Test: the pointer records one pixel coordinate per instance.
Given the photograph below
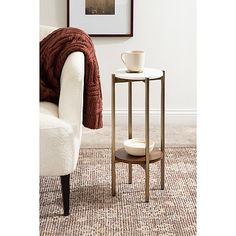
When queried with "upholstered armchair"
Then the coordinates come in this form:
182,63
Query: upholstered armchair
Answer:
61,126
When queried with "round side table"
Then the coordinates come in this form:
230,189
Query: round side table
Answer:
158,154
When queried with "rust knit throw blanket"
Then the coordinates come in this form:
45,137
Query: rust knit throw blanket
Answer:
54,50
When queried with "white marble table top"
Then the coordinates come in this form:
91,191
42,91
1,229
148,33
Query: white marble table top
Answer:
147,73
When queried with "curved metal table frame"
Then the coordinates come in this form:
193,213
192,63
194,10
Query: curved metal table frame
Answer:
120,155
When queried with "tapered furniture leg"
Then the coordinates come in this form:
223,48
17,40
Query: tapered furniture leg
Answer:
163,130
113,170
130,173
130,123
65,187
147,139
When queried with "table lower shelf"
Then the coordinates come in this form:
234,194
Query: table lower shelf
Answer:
122,156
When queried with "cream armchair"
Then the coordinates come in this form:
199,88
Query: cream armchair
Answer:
61,126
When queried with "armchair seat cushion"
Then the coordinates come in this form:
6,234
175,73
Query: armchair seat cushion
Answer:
57,143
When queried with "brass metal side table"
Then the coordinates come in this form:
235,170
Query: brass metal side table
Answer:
158,154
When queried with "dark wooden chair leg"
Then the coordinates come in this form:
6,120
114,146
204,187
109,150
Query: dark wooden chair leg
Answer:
65,187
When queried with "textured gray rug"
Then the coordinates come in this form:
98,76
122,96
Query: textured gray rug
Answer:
95,212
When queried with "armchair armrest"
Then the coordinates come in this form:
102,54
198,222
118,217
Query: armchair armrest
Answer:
71,94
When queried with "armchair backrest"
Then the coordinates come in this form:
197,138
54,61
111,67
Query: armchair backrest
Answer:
45,30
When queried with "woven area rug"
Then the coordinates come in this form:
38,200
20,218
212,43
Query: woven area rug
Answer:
93,211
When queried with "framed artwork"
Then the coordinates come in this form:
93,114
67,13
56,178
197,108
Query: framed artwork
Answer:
101,18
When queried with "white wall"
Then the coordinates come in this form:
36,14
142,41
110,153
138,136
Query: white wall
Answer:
166,30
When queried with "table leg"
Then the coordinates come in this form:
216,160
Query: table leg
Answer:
113,170
147,139
163,130
130,123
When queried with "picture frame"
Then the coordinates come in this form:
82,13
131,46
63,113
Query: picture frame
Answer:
102,18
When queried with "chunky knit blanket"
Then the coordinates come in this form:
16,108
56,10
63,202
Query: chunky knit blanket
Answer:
54,50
